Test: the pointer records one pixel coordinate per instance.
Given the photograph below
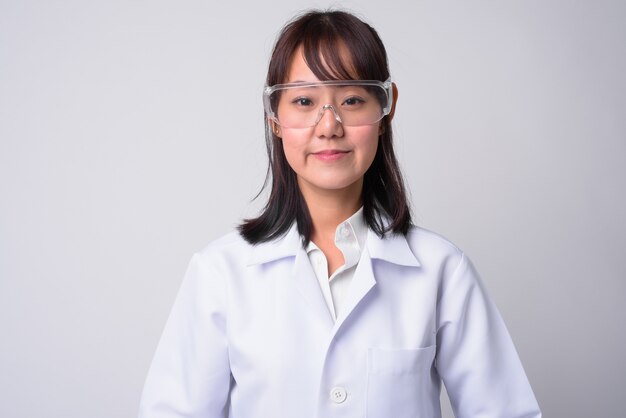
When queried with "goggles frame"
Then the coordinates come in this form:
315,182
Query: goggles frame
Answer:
386,86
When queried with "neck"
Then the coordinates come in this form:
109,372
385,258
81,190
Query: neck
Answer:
328,208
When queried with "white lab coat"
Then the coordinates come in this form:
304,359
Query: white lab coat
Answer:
250,336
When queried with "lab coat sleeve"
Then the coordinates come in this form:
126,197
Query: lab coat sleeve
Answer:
476,358
190,374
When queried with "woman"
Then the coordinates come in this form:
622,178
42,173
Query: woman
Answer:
330,303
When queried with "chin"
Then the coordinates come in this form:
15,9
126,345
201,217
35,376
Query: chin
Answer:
335,184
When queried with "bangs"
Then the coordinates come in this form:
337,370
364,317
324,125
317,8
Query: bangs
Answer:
329,59
332,55
335,46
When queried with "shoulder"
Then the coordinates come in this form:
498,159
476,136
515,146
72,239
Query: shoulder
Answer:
232,258
433,249
230,247
235,250
233,239
423,239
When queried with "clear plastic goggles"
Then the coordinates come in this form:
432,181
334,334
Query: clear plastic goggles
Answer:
352,102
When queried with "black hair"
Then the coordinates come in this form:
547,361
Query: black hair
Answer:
385,203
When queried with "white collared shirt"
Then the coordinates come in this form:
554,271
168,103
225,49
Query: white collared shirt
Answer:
350,237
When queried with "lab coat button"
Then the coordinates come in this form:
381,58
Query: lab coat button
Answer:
345,232
338,395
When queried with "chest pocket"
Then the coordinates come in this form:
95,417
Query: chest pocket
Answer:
400,383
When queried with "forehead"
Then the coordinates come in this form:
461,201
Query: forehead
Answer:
321,64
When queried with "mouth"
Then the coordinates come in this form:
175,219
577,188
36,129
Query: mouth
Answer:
330,154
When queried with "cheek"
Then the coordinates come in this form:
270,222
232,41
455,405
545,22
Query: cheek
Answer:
294,144
367,144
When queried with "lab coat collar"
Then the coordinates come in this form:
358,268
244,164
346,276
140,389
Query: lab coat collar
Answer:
285,246
392,248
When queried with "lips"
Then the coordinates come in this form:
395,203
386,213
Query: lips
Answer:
330,154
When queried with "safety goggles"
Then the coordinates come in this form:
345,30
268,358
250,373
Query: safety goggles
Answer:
352,102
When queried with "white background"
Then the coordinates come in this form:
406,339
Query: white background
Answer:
131,134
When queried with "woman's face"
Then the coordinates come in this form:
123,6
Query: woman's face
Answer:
327,156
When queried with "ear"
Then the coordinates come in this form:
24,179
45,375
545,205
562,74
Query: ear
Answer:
394,89
274,127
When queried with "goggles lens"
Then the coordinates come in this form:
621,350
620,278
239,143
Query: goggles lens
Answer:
353,102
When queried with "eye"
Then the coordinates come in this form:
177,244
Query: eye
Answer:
302,101
353,101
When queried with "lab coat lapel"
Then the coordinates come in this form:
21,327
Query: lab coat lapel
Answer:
306,282
362,282
392,248
302,278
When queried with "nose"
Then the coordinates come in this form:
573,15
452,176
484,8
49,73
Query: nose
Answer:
322,112
328,124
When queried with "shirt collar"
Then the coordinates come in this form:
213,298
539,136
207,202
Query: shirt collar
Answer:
352,228
392,247
359,227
